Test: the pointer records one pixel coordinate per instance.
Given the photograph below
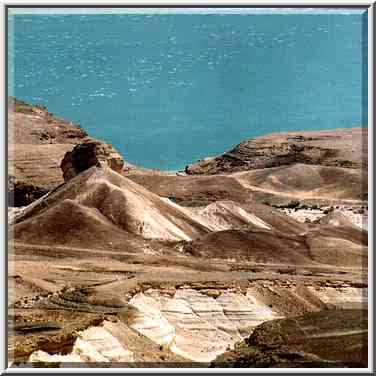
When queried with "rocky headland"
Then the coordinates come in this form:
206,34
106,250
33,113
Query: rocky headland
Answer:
338,148
256,258
37,142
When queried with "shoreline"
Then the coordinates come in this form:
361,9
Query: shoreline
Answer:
181,169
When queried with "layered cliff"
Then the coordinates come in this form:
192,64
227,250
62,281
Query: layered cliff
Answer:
339,148
37,142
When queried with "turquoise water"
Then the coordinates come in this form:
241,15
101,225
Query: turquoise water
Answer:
168,89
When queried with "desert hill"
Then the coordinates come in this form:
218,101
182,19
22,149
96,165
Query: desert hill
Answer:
111,199
314,183
100,197
226,215
101,208
272,247
37,142
340,148
307,181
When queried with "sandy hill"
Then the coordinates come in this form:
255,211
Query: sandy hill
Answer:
194,190
101,201
308,181
100,208
272,247
275,184
227,215
102,196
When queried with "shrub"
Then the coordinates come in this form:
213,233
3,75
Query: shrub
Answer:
293,204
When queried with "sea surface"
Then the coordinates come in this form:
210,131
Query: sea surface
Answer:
169,89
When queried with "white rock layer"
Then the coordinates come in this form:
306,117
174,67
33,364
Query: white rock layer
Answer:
195,325
95,344
342,297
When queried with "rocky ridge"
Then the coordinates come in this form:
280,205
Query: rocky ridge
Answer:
339,148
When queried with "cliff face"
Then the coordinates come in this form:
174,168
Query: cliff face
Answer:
37,142
88,154
339,148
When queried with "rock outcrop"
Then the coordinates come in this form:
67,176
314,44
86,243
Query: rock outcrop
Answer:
21,193
95,344
197,326
195,322
341,148
329,339
37,142
90,153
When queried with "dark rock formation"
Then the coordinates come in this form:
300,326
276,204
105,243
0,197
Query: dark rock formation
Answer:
341,148
90,153
21,193
335,338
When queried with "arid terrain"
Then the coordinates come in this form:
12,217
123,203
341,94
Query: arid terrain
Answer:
254,258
